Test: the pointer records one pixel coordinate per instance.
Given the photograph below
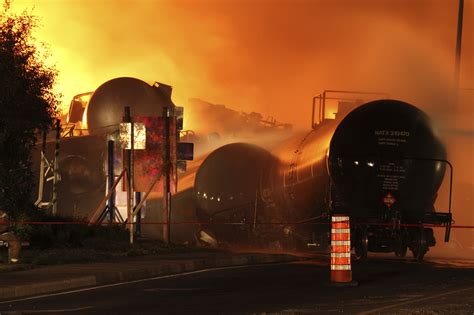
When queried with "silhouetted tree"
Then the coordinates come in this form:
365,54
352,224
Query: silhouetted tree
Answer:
27,106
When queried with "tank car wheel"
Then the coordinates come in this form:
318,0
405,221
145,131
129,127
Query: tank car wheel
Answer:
361,253
361,245
419,253
420,247
401,250
401,246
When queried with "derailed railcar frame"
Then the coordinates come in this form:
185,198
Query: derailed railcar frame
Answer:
358,97
417,231
443,218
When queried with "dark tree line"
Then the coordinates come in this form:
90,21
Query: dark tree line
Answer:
28,105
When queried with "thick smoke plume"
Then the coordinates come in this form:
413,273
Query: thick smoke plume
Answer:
265,56
272,57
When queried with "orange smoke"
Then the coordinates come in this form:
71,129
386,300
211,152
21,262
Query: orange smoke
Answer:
272,56
265,56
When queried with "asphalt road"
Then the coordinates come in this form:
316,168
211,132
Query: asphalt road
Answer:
386,286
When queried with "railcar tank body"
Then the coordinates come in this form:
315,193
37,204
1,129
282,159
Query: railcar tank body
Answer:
296,185
386,165
105,109
381,163
299,180
226,191
396,154
83,153
286,185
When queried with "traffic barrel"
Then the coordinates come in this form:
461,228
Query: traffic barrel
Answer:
341,273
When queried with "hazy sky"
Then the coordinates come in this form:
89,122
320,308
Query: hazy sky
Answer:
270,56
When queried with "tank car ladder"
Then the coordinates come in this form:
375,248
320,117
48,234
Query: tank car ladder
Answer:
49,171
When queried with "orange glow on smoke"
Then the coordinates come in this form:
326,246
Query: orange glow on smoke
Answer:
265,56
271,56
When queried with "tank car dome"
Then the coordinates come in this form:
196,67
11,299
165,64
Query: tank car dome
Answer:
106,106
229,177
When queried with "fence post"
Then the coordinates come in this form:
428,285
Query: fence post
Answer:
138,219
128,119
167,175
111,179
56,176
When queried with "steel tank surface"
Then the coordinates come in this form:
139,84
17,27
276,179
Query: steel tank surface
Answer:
226,189
106,106
381,163
382,160
82,159
380,156
82,173
298,183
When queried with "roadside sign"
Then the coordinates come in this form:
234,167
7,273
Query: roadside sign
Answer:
139,135
185,151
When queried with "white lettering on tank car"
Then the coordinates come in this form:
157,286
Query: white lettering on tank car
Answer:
391,137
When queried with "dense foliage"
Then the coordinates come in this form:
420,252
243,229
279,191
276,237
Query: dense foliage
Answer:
27,106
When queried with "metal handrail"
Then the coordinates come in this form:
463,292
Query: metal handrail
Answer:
322,102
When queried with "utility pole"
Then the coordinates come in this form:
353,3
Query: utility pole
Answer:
111,179
56,177
458,45
129,158
138,218
167,176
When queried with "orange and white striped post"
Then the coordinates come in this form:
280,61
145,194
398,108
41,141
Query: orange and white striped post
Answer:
341,272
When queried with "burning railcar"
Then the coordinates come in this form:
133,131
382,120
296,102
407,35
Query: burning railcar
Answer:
382,163
93,119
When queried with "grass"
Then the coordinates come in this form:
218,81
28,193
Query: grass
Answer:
53,245
93,251
17,267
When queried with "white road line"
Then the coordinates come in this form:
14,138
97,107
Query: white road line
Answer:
383,308
174,289
78,309
140,280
